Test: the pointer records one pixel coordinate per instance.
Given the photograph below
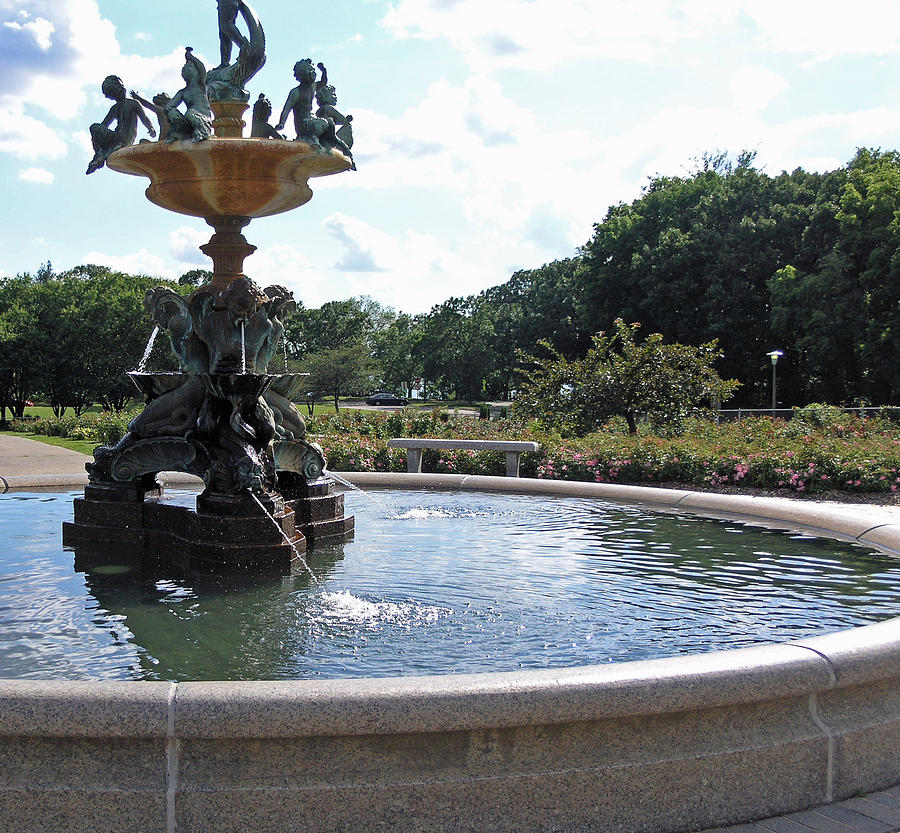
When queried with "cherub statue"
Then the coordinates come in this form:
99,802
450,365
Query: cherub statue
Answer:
158,106
262,111
318,129
299,102
326,98
196,122
125,113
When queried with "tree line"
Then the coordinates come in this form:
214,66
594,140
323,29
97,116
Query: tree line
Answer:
805,263
802,262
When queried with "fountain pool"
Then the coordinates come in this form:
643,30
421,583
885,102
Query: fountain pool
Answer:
659,745
442,582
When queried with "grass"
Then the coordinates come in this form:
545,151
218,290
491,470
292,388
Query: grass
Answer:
46,412
81,446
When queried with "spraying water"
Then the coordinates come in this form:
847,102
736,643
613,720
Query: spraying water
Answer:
338,479
284,348
143,362
283,535
243,354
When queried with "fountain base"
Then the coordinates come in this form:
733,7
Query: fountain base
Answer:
212,536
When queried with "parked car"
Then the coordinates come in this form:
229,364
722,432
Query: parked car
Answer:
385,399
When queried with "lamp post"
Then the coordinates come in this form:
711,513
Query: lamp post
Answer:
774,355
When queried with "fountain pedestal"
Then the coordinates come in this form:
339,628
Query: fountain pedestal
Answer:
223,417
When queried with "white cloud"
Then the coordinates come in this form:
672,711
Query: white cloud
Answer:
39,176
141,262
184,243
872,27
28,138
412,272
55,54
40,29
285,265
754,87
535,35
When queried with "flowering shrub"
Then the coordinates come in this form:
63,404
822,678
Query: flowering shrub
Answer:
831,451
104,428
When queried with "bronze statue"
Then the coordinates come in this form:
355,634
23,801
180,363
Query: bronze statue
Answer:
125,113
299,101
158,106
262,112
228,31
196,122
227,81
326,98
318,129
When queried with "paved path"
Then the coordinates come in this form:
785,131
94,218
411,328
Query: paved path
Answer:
26,463
873,813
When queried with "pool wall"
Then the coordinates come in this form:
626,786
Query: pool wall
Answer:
664,745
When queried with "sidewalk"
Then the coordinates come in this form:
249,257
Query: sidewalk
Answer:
26,462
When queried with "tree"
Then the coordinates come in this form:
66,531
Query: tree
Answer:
195,277
621,376
20,356
334,324
338,370
692,258
396,349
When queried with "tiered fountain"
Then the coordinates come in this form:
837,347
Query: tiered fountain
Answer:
223,416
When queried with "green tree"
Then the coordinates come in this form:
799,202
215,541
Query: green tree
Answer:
456,346
339,370
21,357
334,324
621,376
396,350
692,258
195,277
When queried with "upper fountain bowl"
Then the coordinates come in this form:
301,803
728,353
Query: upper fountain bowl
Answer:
228,177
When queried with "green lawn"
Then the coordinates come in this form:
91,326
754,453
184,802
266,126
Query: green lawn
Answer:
63,442
46,412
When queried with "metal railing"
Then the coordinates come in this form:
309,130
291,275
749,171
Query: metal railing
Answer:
736,414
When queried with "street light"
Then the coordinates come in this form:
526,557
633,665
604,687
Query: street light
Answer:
774,357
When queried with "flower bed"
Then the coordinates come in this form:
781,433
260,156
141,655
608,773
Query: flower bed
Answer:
808,454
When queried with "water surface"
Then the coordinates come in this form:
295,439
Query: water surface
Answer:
434,583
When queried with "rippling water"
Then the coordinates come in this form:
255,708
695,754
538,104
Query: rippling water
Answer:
434,583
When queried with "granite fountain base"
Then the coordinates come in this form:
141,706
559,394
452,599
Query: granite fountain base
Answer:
241,533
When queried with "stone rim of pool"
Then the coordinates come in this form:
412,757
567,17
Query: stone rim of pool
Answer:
664,745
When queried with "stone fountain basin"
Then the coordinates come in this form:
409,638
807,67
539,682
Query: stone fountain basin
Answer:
154,385
664,745
228,177
288,385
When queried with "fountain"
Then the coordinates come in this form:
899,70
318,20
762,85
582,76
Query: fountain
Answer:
656,746
224,416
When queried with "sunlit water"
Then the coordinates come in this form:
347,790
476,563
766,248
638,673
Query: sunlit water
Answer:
433,583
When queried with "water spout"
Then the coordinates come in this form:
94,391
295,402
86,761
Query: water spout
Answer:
284,347
338,479
244,354
293,546
143,362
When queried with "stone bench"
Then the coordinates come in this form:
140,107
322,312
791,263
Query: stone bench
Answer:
415,447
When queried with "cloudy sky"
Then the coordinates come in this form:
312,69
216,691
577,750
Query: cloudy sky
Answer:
490,135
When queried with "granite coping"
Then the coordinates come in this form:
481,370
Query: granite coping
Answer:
456,701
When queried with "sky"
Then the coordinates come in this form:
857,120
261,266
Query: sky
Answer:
490,135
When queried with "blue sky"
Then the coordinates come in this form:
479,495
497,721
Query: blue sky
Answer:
489,134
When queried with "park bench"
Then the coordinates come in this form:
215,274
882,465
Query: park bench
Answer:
415,446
